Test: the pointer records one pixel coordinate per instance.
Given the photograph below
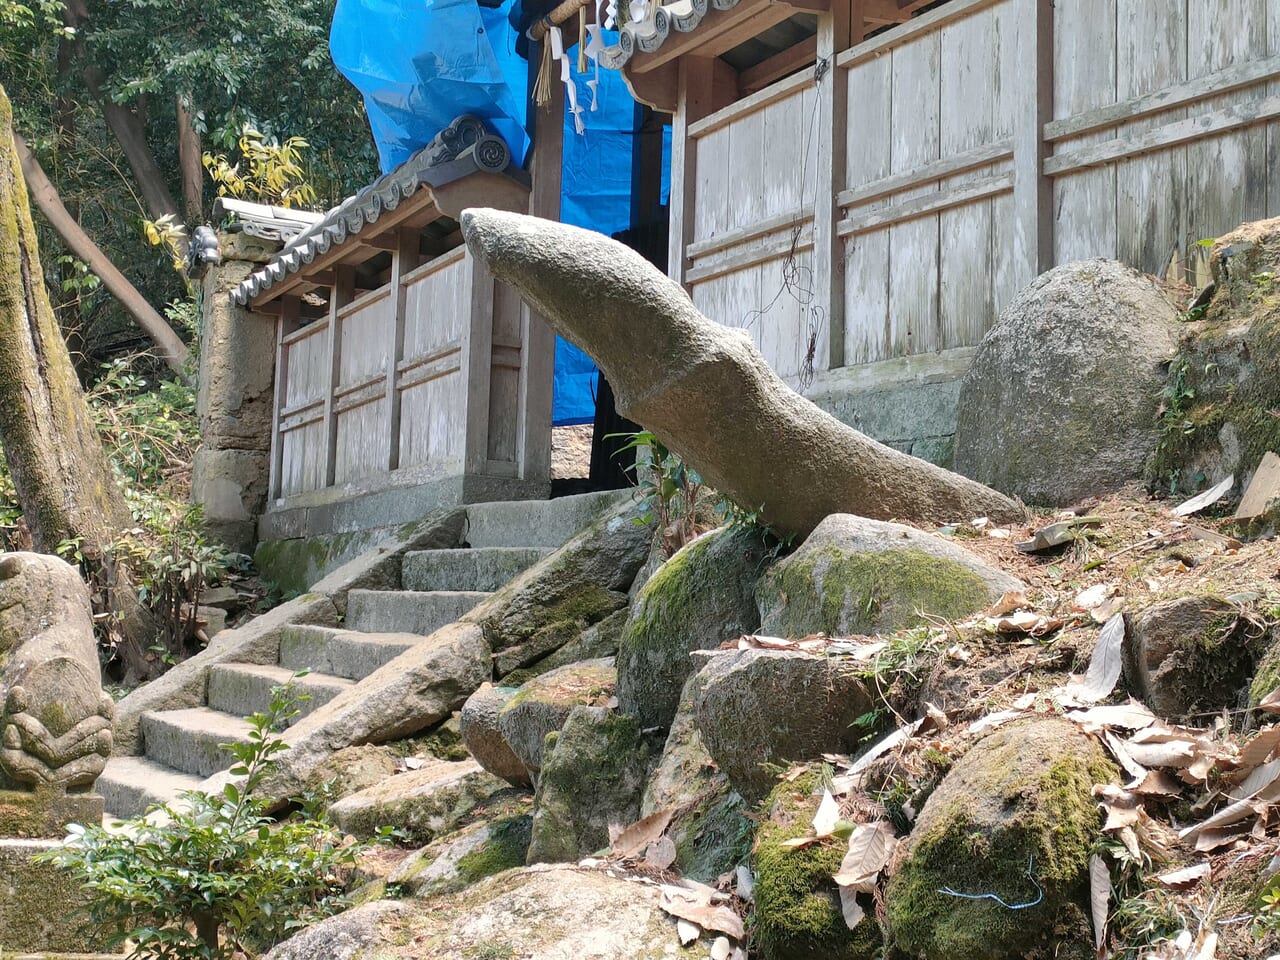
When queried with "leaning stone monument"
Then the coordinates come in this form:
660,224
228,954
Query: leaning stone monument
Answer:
55,737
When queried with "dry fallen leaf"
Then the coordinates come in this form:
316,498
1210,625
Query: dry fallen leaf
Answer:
1011,601
721,949
870,847
1099,898
1187,876
661,853
850,908
1123,808
696,906
1261,747
1271,702
824,821
687,932
640,834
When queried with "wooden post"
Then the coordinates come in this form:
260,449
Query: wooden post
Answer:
696,100
538,343
286,323
477,367
828,248
404,259
1032,190
342,293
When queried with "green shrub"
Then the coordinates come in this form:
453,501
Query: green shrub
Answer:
214,876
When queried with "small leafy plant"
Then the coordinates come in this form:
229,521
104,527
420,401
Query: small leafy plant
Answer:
668,488
272,171
214,877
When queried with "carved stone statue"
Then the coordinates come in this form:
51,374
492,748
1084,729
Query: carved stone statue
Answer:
55,718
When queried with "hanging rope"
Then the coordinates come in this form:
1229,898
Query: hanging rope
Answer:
542,84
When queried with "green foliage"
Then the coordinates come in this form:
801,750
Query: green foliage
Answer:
214,876
668,487
274,172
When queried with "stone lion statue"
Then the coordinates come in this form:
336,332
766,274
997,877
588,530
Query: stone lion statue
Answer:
55,718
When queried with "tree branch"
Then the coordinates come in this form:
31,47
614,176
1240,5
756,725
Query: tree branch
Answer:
171,349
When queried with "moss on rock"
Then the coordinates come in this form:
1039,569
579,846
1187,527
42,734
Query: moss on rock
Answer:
701,597
798,914
593,775
1015,818
506,846
1266,677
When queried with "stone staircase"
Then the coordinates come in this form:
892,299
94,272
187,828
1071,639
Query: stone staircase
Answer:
439,586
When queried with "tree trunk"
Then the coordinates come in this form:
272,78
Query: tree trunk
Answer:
128,126
168,345
60,471
706,391
190,163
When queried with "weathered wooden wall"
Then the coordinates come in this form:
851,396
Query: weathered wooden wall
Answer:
428,377
969,150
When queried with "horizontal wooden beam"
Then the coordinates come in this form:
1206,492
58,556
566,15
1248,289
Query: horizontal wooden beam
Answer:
779,65
757,101
1193,91
933,20
927,205
778,248
720,30
928,173
1162,138
761,228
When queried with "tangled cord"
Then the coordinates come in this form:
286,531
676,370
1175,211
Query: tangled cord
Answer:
996,897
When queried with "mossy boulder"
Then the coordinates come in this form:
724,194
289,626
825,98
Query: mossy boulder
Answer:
43,908
1015,817
709,827
478,723
858,576
598,641
701,597
1266,677
1191,655
594,775
423,804
1225,383
351,770
542,706
478,851
547,912
798,914
1085,348
556,599
758,710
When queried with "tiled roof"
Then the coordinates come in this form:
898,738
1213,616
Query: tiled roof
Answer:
682,16
263,220
466,146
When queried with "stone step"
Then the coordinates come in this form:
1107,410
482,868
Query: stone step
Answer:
407,611
481,568
341,653
130,786
241,689
537,523
188,740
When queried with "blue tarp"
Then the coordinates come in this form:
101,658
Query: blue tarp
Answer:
421,63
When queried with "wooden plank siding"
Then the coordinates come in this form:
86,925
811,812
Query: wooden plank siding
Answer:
427,377
981,143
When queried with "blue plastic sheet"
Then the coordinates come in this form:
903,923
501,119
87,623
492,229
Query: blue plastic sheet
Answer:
421,63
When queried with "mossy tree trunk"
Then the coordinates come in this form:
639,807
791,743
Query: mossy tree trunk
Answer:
60,470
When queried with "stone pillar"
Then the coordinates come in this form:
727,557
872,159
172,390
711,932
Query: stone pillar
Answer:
236,382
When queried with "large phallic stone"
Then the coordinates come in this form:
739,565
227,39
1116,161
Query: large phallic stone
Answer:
1190,656
705,389
1015,817
756,710
859,576
55,718
1062,398
542,706
701,597
551,912
555,600
593,776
